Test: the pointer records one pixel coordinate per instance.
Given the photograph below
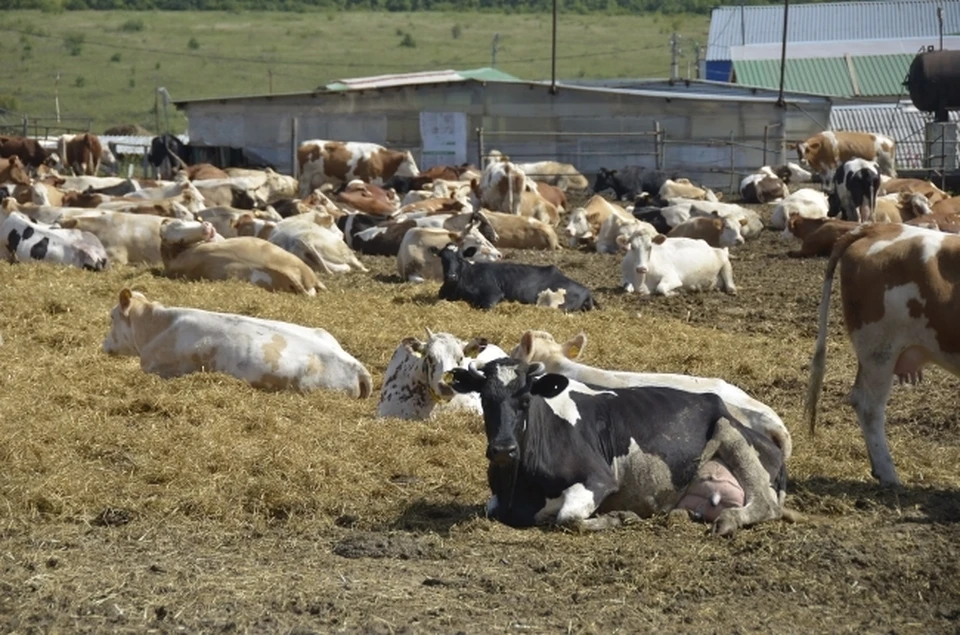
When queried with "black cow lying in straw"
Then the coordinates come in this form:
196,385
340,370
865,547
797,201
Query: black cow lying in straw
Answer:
485,284
560,450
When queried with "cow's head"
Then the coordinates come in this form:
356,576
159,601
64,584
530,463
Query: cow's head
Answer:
475,246
240,198
440,354
121,339
606,180
729,230
408,166
14,172
176,231
578,228
540,346
451,260
505,387
642,244
913,205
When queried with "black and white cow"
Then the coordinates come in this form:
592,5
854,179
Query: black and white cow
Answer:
856,184
483,285
560,451
653,215
627,183
21,239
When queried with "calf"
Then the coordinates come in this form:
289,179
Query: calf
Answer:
763,187
416,262
483,285
629,182
898,287
560,451
415,384
22,239
714,230
12,171
857,183
267,354
819,235
804,202
540,346
616,226
191,250
660,265
827,151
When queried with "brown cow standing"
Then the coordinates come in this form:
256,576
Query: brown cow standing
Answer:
81,153
29,151
825,151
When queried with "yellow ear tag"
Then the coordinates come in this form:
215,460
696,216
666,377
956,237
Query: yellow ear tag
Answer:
448,377
573,351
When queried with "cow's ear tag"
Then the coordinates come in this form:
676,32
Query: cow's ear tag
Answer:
549,386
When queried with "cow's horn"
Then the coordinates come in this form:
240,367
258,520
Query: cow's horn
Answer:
476,372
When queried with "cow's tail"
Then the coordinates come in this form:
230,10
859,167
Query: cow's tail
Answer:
819,361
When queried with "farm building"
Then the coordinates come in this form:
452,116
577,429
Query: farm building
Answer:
439,116
747,33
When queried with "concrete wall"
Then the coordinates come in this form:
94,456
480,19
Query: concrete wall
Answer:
588,128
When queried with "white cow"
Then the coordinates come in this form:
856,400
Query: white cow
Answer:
617,225
416,262
317,242
540,346
501,187
660,265
586,222
805,202
267,354
25,240
127,238
416,384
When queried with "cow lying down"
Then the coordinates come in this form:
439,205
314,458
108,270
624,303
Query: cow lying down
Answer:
267,354
24,240
561,451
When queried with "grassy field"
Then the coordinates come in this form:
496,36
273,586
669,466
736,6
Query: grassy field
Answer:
111,62
130,503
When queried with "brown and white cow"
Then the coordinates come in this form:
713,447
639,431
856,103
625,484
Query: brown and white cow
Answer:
562,175
127,238
321,161
913,186
204,172
825,151
521,232
12,171
818,235
367,198
81,152
683,188
898,287
191,250
501,186
900,208
585,222
947,222
714,230
416,263
947,206
765,186
29,151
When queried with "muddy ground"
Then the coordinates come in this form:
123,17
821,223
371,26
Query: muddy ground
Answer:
130,504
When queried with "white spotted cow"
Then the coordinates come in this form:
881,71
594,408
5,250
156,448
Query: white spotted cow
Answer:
562,452
23,240
585,222
857,184
540,346
659,265
805,202
764,186
416,263
501,187
267,354
416,380
898,287
322,161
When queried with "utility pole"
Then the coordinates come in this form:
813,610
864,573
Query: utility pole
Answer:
783,52
553,53
696,51
674,57
493,49
56,95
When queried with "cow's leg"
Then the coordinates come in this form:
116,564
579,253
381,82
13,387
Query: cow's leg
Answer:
581,500
726,278
762,502
668,286
869,396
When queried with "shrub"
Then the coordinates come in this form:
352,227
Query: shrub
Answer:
132,25
456,31
193,45
80,81
408,41
115,57
74,43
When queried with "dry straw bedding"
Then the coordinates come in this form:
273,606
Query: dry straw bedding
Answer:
130,502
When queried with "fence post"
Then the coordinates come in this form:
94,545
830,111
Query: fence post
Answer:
480,151
766,134
733,174
25,124
295,165
657,145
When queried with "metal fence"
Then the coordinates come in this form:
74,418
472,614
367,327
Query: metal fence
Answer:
43,127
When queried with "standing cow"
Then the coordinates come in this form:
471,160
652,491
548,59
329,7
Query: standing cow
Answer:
825,151
81,153
321,161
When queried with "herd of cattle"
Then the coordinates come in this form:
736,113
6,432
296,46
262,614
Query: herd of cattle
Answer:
567,443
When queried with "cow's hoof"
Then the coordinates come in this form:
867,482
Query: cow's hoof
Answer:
623,517
725,526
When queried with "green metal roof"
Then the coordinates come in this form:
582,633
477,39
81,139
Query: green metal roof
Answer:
873,75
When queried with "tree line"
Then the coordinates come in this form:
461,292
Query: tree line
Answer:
508,6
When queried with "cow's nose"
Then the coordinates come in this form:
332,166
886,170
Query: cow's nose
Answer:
641,269
505,453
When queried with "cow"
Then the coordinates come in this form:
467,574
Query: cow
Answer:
13,172
560,451
501,187
585,222
519,232
483,285
404,184
818,235
751,225
562,175
323,161
369,199
857,183
416,263
166,152
827,151
553,195
627,183
532,205
763,187
374,239
614,227
714,230
659,265
29,151
127,238
898,288
22,239
540,346
415,382
947,222
683,188
913,186
81,153
191,250
804,202
268,184
224,219
315,240
900,208
267,354
947,206
217,193
204,172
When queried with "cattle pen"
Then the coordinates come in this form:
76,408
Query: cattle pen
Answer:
711,132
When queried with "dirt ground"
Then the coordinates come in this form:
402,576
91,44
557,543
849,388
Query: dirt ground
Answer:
130,503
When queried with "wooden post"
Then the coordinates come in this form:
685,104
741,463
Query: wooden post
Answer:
295,167
26,125
657,145
766,134
733,174
480,153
